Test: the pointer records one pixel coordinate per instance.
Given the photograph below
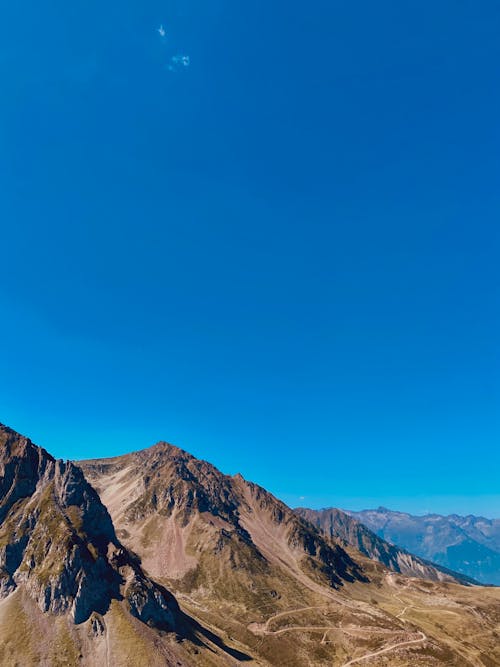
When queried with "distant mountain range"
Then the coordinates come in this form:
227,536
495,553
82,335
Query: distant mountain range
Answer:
469,544
341,526
156,559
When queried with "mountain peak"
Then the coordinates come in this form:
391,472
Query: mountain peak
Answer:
172,486
14,444
162,447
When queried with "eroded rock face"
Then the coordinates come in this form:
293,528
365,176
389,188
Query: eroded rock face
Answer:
97,627
57,540
149,604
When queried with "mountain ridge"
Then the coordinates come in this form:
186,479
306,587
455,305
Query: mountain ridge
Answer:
158,558
339,524
469,545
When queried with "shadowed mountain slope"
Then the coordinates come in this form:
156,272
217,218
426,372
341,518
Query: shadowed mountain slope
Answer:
469,545
339,525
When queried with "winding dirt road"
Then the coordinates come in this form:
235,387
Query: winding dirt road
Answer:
423,638
263,629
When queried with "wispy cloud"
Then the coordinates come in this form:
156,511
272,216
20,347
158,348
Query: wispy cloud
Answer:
184,61
178,62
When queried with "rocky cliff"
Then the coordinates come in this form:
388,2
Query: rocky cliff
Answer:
57,540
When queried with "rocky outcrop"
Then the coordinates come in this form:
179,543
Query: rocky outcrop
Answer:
58,543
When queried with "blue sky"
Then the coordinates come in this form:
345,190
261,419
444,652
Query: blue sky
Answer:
269,236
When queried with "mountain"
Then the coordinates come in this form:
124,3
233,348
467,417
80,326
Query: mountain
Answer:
339,525
244,564
174,508
469,545
69,590
156,558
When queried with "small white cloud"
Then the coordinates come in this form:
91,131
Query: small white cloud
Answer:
183,61
302,497
162,32
178,62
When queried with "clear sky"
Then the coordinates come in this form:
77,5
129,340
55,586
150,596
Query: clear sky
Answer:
267,232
